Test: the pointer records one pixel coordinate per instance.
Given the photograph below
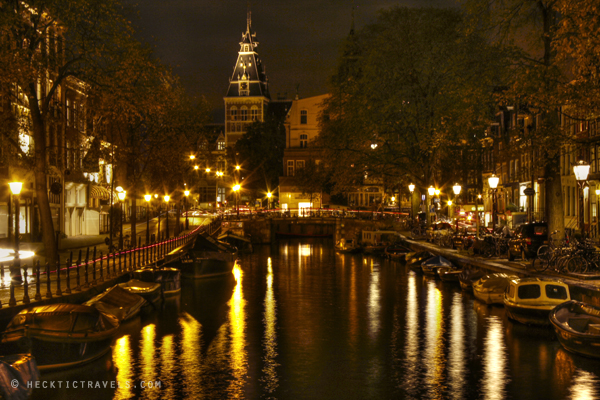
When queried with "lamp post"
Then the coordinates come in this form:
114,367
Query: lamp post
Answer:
121,196
167,197
431,192
450,205
269,194
187,222
493,182
581,170
411,188
158,227
15,271
236,189
147,197
457,188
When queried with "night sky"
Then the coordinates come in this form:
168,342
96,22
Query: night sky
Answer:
299,41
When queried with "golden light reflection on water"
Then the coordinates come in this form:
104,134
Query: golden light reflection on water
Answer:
237,326
495,375
191,339
270,378
434,344
353,306
374,301
412,364
456,362
169,371
585,386
123,360
148,361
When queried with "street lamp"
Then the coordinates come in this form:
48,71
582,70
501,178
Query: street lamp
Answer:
121,196
15,273
192,157
457,188
187,222
581,170
159,209
411,188
493,182
148,197
269,194
450,205
167,197
236,189
431,192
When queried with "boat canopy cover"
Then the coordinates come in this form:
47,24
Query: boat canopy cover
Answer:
438,261
116,301
21,368
496,281
137,286
470,275
61,317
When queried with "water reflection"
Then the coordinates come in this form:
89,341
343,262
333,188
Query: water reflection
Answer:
456,362
374,300
191,357
124,363
269,378
169,372
585,386
148,362
411,350
434,344
495,375
237,325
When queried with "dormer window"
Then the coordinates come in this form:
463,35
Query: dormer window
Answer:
304,117
221,144
244,88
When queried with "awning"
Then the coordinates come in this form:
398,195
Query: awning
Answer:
99,192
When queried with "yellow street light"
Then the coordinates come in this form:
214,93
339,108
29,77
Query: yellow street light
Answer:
207,170
196,167
393,199
449,202
192,157
15,187
167,197
411,187
431,190
148,197
156,196
122,195
237,167
187,192
119,189
437,192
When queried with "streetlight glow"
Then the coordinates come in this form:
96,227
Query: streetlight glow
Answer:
186,192
196,167
457,188
449,202
15,187
411,187
148,197
581,170
207,170
493,181
167,197
122,195
192,157
431,190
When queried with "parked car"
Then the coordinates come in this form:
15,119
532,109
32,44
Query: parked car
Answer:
527,239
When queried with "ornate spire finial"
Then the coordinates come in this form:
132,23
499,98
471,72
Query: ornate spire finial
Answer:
249,18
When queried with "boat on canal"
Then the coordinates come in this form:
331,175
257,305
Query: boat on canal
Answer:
530,300
60,335
347,246
169,278
19,368
468,276
431,265
577,327
150,291
396,252
118,302
208,257
449,274
490,288
414,259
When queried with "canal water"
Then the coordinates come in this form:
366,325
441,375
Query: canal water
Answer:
298,321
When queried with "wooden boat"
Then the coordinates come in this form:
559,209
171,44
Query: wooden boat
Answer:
449,274
169,278
467,277
396,252
348,246
243,243
118,302
490,288
19,368
577,327
60,335
150,291
414,259
208,257
431,265
530,300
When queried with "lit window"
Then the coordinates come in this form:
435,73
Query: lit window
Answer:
221,145
304,117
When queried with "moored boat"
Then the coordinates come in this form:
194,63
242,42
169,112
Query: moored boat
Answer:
414,259
60,335
468,276
490,288
118,302
431,265
396,252
208,257
16,373
348,246
577,327
150,291
243,243
530,300
169,278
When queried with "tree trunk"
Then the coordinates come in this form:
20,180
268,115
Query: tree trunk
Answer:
554,201
133,220
41,186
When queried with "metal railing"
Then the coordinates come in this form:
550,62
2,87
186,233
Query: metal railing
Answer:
83,273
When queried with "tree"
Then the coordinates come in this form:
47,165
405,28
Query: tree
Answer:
408,88
312,180
44,44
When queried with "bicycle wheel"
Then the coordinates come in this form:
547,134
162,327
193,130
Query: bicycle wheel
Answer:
576,265
544,252
539,264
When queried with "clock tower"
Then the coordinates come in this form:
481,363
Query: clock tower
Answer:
248,97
